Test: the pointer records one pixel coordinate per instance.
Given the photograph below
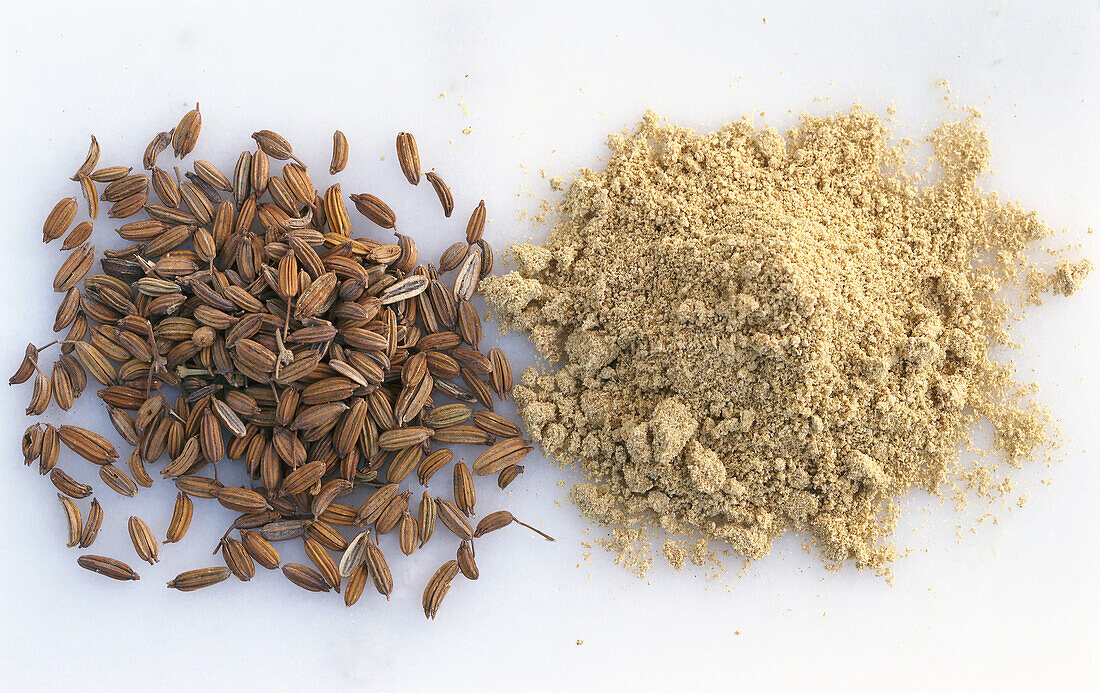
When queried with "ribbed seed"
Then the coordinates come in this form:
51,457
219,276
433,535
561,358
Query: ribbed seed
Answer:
237,559
187,133
356,582
318,555
88,444
108,567
191,580
476,226
496,425
74,268
91,527
375,209
453,519
432,464
425,519
59,219
505,453
90,161
260,549
401,438
376,503
444,193
465,495
242,500
182,513
378,569
305,577
142,538
508,475
72,520
339,154
40,397
469,273
391,514
157,145
465,559
437,588
80,233
407,534
408,157
117,480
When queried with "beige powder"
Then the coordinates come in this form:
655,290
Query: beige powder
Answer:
756,333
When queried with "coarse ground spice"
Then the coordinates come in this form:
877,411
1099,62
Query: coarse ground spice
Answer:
756,333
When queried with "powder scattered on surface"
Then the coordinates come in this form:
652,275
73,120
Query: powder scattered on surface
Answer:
752,333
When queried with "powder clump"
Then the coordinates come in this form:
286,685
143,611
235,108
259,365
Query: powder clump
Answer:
755,333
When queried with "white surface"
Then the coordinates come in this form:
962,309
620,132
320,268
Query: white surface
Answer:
1012,606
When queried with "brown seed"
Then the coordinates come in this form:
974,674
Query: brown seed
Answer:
165,187
40,397
500,519
469,273
432,464
444,193
465,495
356,582
31,443
425,518
329,537
375,209
109,174
90,161
339,153
305,577
453,256
453,519
187,133
318,555
391,514
51,448
506,452
336,212
108,567
466,564
237,559
401,438
26,366
258,175
260,549
88,444
376,503
496,425
72,520
61,386
181,518
502,372
437,588
476,226
91,527
142,538
274,145
58,220
157,145
407,534
355,554
69,486
117,480
378,569
210,173
87,188
77,236
508,475
74,268
191,580
242,500
469,323
408,157
198,486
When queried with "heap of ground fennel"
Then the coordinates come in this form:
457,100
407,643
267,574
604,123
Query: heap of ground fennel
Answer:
756,332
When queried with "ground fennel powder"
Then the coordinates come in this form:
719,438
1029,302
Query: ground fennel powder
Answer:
755,332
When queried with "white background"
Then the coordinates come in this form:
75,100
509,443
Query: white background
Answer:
1010,606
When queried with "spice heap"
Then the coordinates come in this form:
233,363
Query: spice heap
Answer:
314,358
759,333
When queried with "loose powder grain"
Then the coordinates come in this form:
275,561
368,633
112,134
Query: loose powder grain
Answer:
756,333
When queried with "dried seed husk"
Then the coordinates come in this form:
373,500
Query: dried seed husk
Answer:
26,366
340,514
438,586
327,535
408,157
182,513
137,470
260,549
191,580
259,174
401,438
496,425
468,323
51,448
91,527
445,198
453,519
318,555
355,554
157,145
142,538
242,178
97,365
339,154
330,490
305,577
210,173
336,212
466,564
502,372
72,520
465,495
198,486
508,475
237,559
462,434
108,567
469,273
476,226
407,288
187,133
425,518
31,443
87,188
165,187
197,203
58,220
117,480
109,174
375,210
90,160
